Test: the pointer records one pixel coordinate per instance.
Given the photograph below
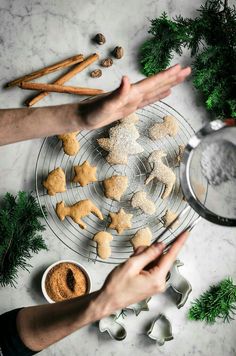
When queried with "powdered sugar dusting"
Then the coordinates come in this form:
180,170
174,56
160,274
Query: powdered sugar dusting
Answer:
218,162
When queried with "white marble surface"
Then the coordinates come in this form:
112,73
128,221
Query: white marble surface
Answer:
36,33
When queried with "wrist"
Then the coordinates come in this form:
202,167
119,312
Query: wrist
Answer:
66,118
103,305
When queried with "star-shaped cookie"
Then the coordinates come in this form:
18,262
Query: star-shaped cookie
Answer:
122,141
85,174
120,221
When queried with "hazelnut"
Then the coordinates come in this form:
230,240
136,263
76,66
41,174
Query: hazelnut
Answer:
100,39
96,73
118,52
107,62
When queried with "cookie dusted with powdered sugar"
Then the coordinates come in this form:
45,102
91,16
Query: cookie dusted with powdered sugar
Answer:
141,201
161,172
122,141
168,218
169,126
143,237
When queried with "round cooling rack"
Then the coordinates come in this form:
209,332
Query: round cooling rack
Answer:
51,156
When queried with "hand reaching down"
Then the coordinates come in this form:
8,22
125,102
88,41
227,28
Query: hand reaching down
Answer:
105,109
142,275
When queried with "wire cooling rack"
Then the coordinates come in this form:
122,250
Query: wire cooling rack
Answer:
51,156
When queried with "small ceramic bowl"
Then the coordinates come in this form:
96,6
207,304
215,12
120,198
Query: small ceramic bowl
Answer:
46,296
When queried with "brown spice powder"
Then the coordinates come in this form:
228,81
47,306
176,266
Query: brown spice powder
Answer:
65,281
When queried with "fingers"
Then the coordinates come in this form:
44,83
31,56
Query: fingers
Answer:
154,98
166,261
139,250
168,78
159,77
164,90
148,255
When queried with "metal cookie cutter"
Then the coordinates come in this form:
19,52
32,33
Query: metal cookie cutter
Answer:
115,328
139,307
179,284
160,330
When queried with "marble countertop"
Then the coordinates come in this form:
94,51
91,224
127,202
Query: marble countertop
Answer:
38,32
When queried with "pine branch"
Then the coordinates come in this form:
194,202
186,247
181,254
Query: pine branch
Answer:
20,229
211,39
218,302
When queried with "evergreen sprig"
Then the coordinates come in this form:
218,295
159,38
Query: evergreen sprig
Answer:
218,302
211,39
20,234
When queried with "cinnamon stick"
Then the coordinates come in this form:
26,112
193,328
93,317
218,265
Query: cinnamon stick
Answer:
78,68
60,88
50,69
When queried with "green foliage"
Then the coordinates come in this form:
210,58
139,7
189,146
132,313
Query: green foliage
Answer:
158,51
218,302
20,234
211,39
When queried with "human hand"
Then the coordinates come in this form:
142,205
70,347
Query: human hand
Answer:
141,276
103,110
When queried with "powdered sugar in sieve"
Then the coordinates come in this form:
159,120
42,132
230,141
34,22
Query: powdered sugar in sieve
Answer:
218,162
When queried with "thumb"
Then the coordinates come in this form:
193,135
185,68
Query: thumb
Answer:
122,90
148,255
124,86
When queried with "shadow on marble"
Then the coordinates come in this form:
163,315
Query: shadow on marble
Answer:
35,285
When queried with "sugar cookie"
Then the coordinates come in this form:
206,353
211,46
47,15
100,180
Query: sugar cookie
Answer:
85,174
161,172
115,186
120,221
143,237
168,218
55,181
130,119
168,127
70,143
77,211
103,239
140,200
122,141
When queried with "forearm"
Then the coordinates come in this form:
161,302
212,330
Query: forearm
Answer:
24,124
43,325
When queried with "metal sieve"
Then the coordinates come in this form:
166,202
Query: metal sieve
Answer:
214,202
